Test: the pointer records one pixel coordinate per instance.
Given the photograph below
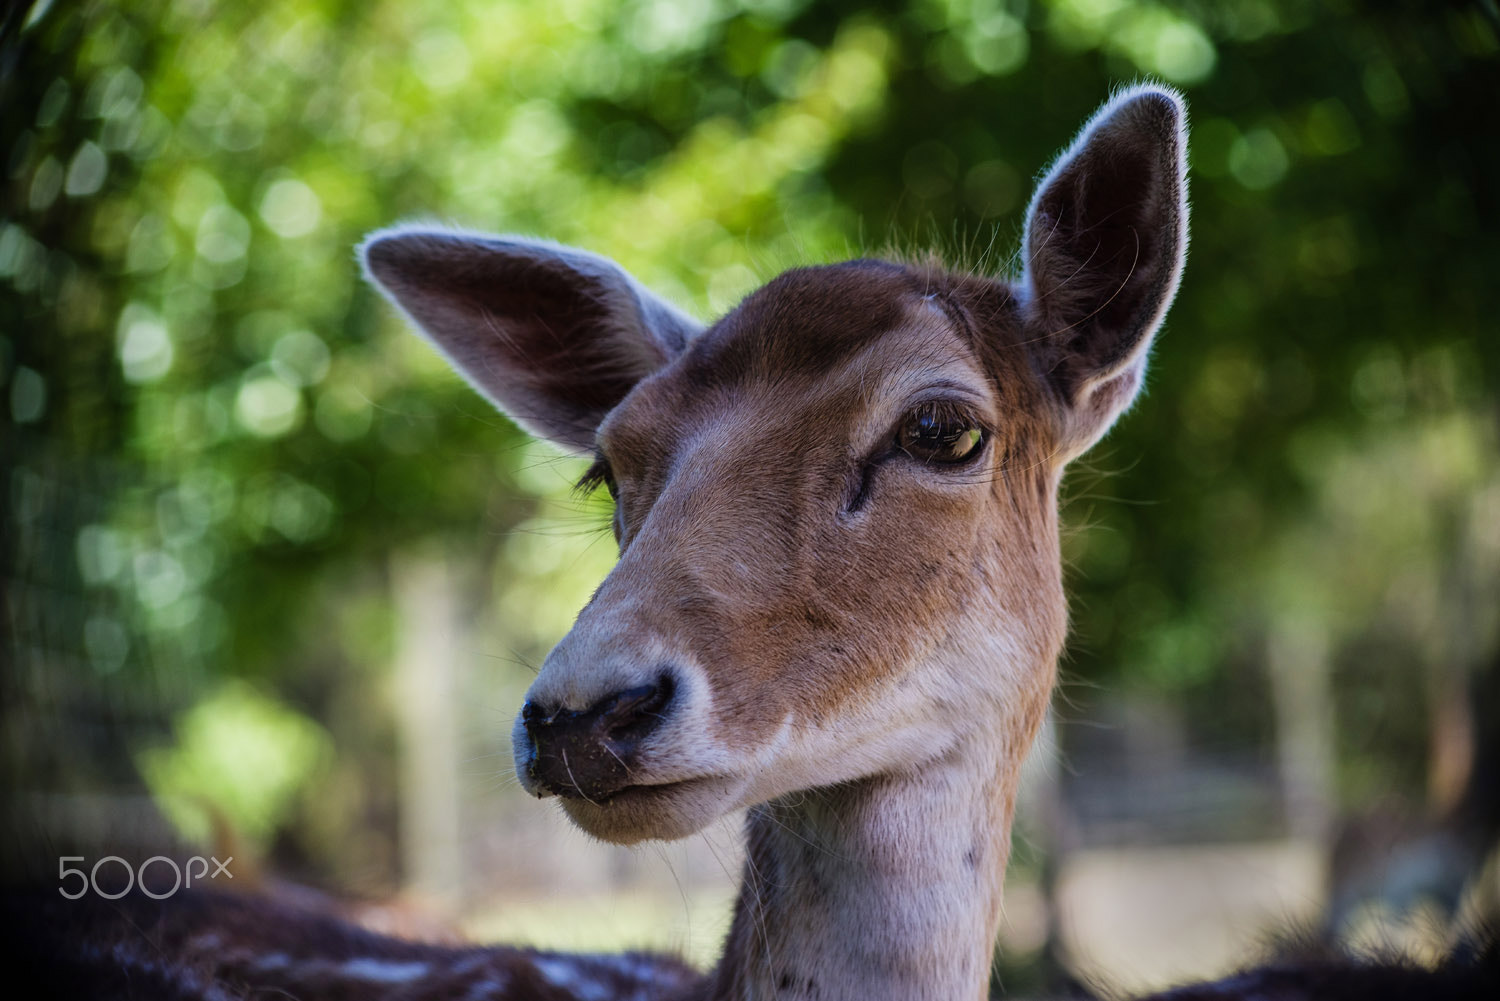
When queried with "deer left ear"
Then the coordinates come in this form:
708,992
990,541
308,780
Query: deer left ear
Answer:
1106,237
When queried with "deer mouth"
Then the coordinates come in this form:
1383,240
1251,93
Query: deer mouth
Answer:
660,811
636,790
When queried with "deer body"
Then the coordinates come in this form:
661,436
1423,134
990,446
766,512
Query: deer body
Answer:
839,598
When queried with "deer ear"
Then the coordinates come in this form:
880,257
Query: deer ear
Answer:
1106,236
553,336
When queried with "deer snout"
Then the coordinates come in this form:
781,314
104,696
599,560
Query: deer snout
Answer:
590,753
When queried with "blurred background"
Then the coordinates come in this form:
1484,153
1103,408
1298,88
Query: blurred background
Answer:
274,580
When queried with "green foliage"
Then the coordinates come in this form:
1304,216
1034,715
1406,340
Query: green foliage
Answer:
237,752
188,347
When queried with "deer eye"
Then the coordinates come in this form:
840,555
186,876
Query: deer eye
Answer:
940,435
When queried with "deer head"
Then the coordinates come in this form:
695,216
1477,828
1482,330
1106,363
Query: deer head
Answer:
835,506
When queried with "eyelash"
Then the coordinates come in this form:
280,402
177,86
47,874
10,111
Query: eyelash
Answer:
597,475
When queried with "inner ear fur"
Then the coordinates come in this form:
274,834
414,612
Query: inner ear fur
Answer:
552,335
1106,236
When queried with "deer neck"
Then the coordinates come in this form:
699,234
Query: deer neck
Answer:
885,888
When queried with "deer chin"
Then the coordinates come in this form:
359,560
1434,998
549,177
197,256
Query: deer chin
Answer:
668,811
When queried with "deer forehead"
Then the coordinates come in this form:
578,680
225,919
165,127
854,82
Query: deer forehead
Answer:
825,357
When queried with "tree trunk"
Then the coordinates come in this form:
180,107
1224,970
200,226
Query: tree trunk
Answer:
428,647
1297,661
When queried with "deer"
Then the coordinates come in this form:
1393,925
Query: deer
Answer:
838,603
839,600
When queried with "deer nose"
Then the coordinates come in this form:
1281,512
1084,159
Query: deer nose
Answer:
589,753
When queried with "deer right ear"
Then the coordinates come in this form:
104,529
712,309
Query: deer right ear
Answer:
1105,242
553,336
